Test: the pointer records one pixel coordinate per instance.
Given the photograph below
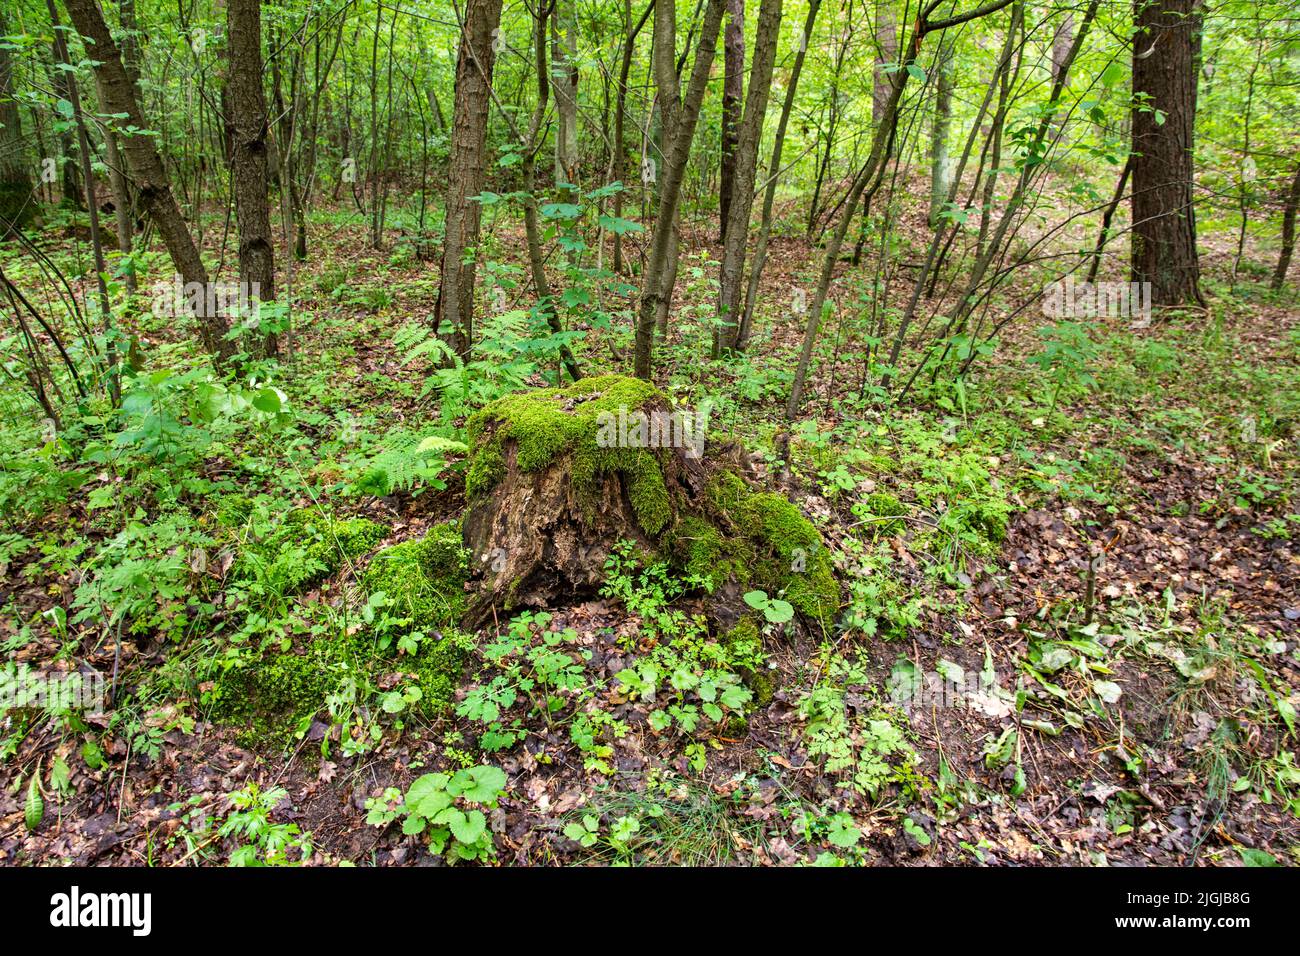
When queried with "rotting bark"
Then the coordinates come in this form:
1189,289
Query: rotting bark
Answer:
558,478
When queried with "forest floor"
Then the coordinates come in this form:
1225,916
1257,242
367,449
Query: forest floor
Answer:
1096,554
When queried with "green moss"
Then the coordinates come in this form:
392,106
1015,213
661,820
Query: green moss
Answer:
882,505
425,578
439,666
273,697
789,556
550,423
699,550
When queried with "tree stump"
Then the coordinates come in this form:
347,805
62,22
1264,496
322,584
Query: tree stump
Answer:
559,477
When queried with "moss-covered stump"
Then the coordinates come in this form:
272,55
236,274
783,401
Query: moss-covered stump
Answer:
558,477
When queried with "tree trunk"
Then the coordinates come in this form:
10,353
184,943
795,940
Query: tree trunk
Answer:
679,130
1165,51
564,58
733,92
887,41
1288,231
17,200
736,231
466,173
774,170
248,126
940,175
147,171
620,111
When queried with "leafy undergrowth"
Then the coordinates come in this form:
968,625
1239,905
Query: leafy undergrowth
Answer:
1067,631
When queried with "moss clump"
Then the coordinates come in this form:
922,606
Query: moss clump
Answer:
744,645
887,512
788,555
438,667
700,551
551,423
424,578
276,696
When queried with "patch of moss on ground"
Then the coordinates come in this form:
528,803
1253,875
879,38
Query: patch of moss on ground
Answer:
788,554
547,424
425,578
306,547
700,550
277,695
439,666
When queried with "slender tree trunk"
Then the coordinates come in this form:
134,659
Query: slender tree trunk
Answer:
679,133
148,173
564,58
940,174
887,41
733,93
774,171
1165,51
750,135
466,173
529,147
248,124
620,113
1289,210
17,200
1103,236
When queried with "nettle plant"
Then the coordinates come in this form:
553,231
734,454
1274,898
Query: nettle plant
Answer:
447,809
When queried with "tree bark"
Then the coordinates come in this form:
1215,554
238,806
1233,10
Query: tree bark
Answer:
248,124
750,135
564,58
17,200
1288,231
1165,51
466,173
939,172
733,93
887,41
774,171
679,130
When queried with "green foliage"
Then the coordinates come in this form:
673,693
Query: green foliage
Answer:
447,809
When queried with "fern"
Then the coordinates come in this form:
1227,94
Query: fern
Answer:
406,459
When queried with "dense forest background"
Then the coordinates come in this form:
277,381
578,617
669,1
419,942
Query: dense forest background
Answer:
309,310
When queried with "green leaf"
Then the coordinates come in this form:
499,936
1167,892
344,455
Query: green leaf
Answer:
1252,857
267,400
469,827
438,443
479,784
778,612
428,795
619,227
34,811
1108,691
842,831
